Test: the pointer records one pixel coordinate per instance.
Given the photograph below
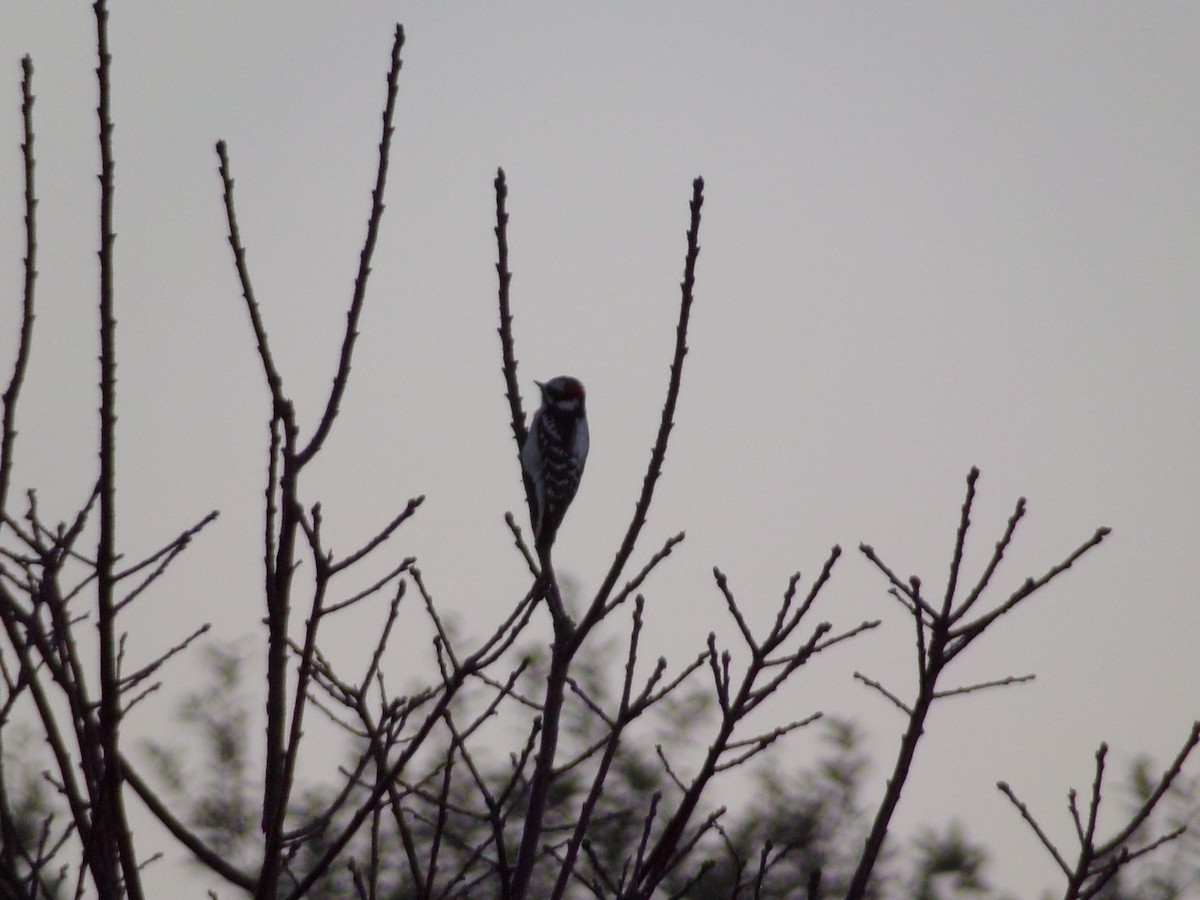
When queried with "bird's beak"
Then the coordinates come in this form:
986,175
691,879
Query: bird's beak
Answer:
541,386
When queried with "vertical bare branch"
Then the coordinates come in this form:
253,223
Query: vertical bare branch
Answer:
658,454
114,847
8,438
543,772
960,541
512,388
616,728
284,515
364,267
280,522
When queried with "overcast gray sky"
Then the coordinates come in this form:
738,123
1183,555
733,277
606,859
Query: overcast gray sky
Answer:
936,235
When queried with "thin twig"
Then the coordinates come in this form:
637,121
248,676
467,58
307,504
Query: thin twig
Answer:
512,388
1041,835
1160,790
214,860
904,707
342,377
115,865
667,422
382,536
960,540
984,685
164,557
8,434
281,406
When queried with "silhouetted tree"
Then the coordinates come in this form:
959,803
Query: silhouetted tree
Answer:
423,806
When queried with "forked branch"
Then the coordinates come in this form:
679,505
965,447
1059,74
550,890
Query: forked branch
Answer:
1097,864
942,634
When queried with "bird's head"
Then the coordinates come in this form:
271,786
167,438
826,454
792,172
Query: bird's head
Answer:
564,393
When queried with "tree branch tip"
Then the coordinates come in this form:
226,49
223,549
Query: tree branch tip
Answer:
973,474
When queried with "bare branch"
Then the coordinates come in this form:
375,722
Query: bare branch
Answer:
175,545
382,536
993,563
779,635
403,567
903,590
8,430
984,685
964,634
112,858
636,582
658,454
904,707
364,265
519,541
960,541
754,746
164,557
1157,794
282,407
205,854
723,584
1028,817
512,388
146,671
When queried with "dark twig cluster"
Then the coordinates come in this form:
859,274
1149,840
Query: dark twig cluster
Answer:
287,524
1098,861
669,832
944,629
569,636
419,807
79,700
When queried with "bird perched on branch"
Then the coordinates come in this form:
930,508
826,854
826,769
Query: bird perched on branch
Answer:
553,456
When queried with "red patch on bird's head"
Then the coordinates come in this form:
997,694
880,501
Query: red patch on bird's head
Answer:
572,387
562,389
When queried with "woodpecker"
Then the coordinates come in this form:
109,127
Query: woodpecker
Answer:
553,456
